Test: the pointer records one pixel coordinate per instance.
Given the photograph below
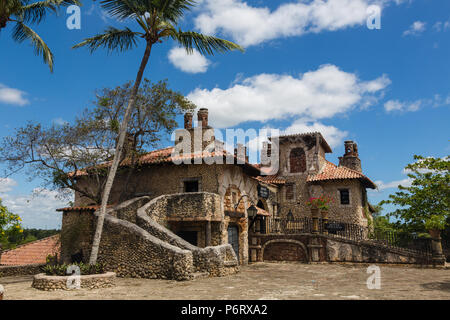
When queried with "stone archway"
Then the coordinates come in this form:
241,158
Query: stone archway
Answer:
284,250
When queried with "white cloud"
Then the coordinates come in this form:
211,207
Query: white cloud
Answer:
37,209
6,184
314,95
12,96
249,25
441,26
402,106
393,184
190,63
416,28
332,135
396,105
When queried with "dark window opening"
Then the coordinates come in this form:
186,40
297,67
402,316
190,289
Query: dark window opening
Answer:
290,216
297,160
191,186
189,236
364,197
345,196
290,192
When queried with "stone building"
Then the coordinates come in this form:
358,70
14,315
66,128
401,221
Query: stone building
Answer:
198,193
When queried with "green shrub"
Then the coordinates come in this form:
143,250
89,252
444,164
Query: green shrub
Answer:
61,269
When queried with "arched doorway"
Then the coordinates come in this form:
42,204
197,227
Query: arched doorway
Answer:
284,250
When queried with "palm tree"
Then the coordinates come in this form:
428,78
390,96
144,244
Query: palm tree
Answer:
157,20
21,12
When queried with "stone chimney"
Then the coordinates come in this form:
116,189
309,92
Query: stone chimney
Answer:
188,120
351,157
241,153
266,153
128,146
202,116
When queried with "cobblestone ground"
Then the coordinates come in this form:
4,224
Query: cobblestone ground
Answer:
265,281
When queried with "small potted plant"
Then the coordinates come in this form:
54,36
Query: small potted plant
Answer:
434,224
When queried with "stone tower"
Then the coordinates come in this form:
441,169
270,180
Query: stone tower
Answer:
351,158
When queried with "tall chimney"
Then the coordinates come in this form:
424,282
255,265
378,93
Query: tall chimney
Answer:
202,116
351,157
188,120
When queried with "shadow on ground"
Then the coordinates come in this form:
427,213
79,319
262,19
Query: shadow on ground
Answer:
442,286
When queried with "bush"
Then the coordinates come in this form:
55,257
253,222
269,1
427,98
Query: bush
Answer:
61,269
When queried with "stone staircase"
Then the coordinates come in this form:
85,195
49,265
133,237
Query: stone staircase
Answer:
157,252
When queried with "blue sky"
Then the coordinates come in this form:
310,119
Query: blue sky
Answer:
308,65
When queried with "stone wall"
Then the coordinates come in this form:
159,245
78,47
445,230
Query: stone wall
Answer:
29,269
135,245
77,232
365,251
95,281
132,252
323,248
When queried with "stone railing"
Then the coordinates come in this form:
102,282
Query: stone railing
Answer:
191,206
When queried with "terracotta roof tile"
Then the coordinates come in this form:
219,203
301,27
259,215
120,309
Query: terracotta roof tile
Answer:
31,253
272,179
333,172
165,156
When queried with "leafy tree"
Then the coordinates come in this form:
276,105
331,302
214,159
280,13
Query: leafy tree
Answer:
157,20
21,12
10,224
425,204
54,154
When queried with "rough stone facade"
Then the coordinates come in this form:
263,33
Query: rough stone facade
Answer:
134,244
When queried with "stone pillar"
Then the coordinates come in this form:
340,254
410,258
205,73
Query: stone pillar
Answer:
314,249
438,256
188,120
324,220
202,117
315,219
208,234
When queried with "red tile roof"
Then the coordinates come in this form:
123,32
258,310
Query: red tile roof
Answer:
31,253
272,179
333,172
165,156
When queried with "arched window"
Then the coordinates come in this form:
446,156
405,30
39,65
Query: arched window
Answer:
297,160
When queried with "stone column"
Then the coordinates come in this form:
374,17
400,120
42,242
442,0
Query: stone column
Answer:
438,256
315,219
324,220
208,234
314,248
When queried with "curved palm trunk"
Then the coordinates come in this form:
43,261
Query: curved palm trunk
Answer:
117,155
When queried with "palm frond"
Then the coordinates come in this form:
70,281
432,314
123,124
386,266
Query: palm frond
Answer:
22,32
112,39
36,12
125,9
206,45
172,10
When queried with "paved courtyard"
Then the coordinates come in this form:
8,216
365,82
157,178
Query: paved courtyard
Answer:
265,281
